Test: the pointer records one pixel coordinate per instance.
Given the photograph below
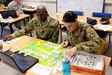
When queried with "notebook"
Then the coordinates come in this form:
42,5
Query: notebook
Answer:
18,61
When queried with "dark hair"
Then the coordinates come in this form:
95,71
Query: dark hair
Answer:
69,16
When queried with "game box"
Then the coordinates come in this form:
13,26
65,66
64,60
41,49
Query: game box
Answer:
88,63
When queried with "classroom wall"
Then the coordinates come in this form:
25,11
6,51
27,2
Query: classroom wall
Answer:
108,6
51,5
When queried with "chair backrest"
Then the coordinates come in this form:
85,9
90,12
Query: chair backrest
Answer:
101,50
80,13
6,14
101,15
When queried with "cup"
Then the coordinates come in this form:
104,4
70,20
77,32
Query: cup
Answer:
66,68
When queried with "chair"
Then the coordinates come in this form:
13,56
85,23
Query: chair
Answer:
101,50
6,14
80,13
101,15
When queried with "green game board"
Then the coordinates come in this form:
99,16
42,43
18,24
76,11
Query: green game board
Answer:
48,53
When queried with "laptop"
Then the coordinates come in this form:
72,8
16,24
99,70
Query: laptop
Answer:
18,61
6,14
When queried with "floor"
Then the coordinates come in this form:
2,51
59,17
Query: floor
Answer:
11,71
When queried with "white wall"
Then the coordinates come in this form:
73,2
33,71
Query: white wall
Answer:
108,6
51,5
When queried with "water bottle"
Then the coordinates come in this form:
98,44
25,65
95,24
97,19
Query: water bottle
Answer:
66,66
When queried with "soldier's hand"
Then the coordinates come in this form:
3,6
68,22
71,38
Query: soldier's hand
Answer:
8,37
64,43
71,51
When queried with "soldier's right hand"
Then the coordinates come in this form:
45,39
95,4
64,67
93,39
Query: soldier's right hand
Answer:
8,37
64,43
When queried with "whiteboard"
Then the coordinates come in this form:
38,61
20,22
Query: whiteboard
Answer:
87,6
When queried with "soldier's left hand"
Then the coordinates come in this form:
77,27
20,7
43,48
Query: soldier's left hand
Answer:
71,51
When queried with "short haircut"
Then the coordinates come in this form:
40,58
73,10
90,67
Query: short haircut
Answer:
41,8
69,16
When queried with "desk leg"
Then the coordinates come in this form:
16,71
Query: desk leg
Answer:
28,21
60,34
11,29
24,22
1,29
111,63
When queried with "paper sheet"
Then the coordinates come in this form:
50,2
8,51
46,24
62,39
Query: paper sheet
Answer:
104,27
9,42
9,19
41,69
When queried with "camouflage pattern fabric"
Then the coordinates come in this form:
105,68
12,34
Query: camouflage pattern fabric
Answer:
84,38
48,30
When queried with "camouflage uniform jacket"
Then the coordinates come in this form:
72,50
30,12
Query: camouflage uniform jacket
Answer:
48,30
17,7
84,38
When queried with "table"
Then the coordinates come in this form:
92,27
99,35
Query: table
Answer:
81,18
30,11
23,41
14,20
1,10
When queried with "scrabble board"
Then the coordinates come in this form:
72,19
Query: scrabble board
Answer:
48,53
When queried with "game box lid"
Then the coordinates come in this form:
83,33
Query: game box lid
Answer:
88,63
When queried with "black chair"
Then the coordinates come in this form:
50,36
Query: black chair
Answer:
2,27
6,14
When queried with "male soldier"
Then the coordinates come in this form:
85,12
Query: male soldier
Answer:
46,28
80,35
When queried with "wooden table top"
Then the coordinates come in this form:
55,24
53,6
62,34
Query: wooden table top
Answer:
25,40
29,9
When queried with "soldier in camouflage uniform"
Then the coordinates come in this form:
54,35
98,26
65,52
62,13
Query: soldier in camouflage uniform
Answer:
46,28
80,36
